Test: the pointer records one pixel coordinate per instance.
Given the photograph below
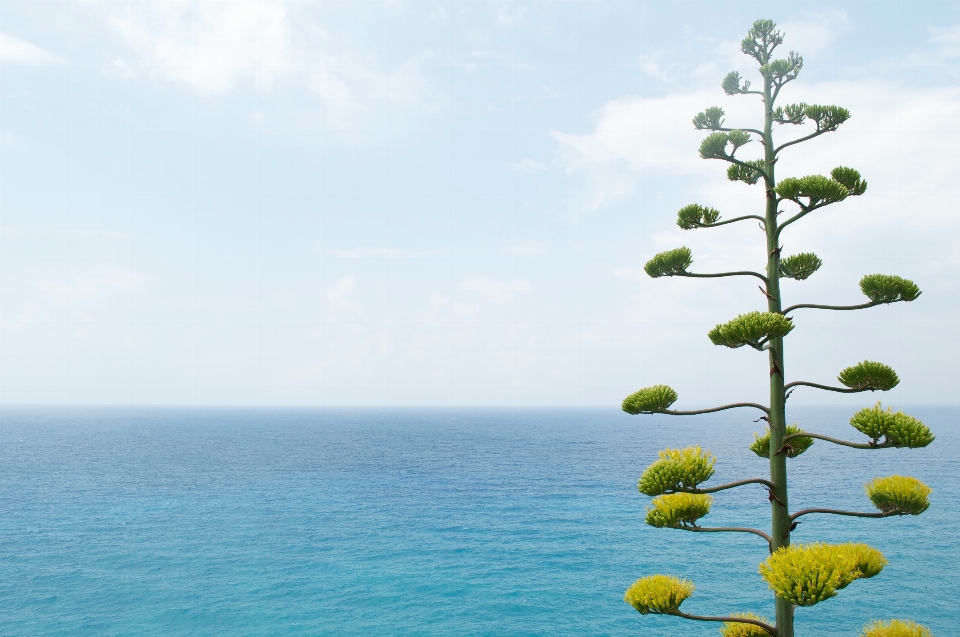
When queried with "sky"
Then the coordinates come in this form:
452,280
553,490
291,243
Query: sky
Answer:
450,203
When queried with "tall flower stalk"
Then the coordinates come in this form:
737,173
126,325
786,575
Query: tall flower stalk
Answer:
800,575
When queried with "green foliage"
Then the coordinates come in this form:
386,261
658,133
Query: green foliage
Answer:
894,428
888,288
790,114
736,629
850,179
805,574
761,444
761,40
658,594
895,628
677,468
650,400
869,375
675,510
817,189
828,118
669,263
800,266
783,70
753,329
696,216
732,85
710,119
736,172
899,494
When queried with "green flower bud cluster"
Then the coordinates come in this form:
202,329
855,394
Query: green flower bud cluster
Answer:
658,594
817,189
750,176
695,216
899,494
887,288
732,84
850,179
710,119
736,629
753,329
761,444
805,574
869,375
783,70
790,114
896,429
800,266
761,39
677,468
714,146
675,510
828,118
895,628
669,263
650,400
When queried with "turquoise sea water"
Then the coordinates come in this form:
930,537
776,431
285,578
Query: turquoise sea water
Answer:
426,522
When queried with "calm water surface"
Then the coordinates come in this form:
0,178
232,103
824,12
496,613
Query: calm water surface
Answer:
426,522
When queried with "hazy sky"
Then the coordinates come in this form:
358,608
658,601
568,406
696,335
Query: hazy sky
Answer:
450,203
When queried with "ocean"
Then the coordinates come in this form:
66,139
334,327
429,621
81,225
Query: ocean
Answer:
162,521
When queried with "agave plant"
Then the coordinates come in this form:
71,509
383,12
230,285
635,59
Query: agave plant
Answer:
800,575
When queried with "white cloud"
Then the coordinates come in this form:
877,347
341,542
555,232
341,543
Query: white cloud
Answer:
814,32
947,40
378,252
340,295
524,247
89,285
15,51
633,275
508,18
493,291
209,46
356,88
895,138
527,165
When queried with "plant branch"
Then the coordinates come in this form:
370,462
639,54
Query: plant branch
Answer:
734,160
748,130
837,441
726,221
804,211
726,529
740,620
842,390
862,306
724,487
721,274
801,139
696,412
855,514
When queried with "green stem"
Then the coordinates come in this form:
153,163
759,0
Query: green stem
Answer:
721,274
738,620
695,412
862,306
855,514
836,441
724,487
779,511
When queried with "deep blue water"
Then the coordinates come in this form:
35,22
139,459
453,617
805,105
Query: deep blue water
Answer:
426,522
